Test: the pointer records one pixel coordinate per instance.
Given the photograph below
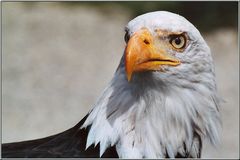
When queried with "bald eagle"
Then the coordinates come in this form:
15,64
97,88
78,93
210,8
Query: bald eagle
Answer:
162,101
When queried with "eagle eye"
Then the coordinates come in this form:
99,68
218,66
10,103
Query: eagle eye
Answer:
126,37
178,41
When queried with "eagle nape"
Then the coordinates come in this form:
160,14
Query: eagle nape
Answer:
162,101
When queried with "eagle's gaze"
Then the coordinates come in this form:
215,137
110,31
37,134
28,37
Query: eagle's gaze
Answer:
158,104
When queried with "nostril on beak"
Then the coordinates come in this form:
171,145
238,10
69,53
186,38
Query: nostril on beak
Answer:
146,41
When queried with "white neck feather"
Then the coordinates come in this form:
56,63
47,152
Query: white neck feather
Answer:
150,123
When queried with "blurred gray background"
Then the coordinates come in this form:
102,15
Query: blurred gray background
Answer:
58,57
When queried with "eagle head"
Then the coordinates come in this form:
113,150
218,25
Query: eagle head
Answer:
162,100
168,47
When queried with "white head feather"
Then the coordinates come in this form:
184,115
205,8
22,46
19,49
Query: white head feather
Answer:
159,113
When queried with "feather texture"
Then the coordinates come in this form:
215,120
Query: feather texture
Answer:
160,114
68,144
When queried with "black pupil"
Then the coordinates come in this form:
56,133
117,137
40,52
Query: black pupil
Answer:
177,40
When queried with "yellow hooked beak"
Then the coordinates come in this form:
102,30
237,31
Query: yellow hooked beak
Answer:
142,55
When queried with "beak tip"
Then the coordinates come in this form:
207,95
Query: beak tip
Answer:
128,70
129,76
